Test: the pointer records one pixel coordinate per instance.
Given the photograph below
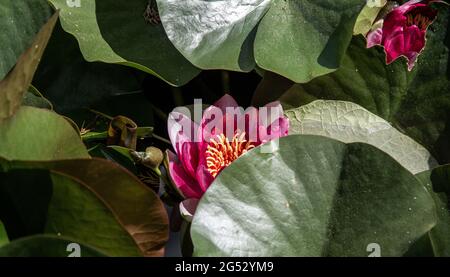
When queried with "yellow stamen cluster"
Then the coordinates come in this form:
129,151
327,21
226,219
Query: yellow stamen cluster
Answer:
221,152
419,20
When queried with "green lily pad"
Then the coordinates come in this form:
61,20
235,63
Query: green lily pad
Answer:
113,31
34,98
297,39
21,20
349,122
3,235
437,182
64,207
417,103
72,83
46,246
38,134
17,82
111,209
271,88
214,34
313,196
304,39
135,207
367,17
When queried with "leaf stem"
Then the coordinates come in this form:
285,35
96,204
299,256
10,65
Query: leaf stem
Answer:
101,114
161,139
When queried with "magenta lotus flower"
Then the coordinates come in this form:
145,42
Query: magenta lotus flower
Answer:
403,31
224,133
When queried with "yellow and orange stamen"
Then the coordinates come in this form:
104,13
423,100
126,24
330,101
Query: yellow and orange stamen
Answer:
221,152
419,20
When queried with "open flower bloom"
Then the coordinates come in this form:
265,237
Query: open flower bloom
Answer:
403,31
224,133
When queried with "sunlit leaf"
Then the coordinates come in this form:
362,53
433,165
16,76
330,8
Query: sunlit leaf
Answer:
312,196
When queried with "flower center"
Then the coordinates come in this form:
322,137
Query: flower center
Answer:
419,20
221,152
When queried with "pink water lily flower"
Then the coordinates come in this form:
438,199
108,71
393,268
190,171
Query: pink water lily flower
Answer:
403,31
224,133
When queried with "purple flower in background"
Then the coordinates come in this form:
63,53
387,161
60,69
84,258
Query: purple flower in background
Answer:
403,31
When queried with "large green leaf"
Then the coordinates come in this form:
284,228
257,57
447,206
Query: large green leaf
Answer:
115,31
17,82
38,201
39,134
3,235
136,207
305,39
214,34
312,196
271,87
349,122
417,103
437,181
34,98
71,83
368,15
20,21
297,39
46,246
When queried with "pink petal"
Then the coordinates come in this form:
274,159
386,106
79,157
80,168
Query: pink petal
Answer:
181,130
410,5
211,124
204,178
412,58
272,114
189,157
374,37
187,185
275,111
408,43
251,124
233,121
226,101
188,208
394,46
186,150
278,129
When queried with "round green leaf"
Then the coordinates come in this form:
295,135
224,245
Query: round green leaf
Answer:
115,31
39,134
312,196
15,85
297,39
305,39
3,235
34,98
367,17
136,207
20,21
349,122
46,246
213,34
71,83
64,207
437,182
